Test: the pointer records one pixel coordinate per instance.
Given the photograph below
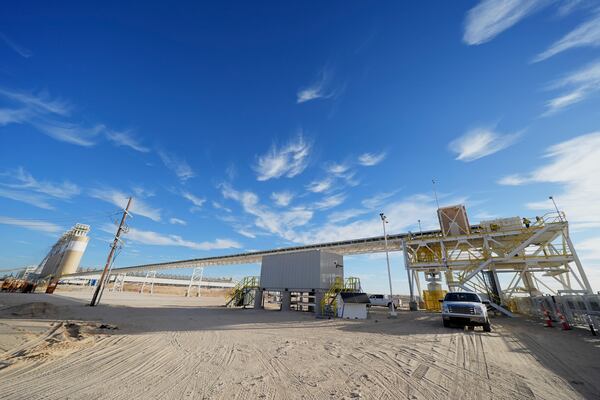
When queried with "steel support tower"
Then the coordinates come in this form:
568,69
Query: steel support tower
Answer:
530,257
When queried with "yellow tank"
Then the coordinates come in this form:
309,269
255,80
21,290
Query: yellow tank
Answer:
432,298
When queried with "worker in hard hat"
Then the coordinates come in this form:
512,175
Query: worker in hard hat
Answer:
526,222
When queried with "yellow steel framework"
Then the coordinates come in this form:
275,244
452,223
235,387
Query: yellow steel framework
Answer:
244,292
531,252
329,301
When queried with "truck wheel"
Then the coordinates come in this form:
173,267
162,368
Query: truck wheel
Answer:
389,305
487,327
446,323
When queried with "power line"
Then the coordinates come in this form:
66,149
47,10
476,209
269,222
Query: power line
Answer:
35,222
113,248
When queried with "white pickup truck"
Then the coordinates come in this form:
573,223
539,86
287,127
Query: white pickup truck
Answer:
384,301
465,308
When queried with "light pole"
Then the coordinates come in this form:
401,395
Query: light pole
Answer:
556,207
387,257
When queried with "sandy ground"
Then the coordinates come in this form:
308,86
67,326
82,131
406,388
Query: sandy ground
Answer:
159,347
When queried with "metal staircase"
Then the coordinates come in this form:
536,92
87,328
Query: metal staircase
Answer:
329,301
244,293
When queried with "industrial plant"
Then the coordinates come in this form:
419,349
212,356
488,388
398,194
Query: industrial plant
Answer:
499,274
513,263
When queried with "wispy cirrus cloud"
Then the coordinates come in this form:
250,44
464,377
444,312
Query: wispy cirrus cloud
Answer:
338,176
40,102
51,116
371,159
586,34
589,249
579,85
572,164
126,139
337,169
330,201
10,116
34,225
345,215
283,198
281,223
17,48
402,215
371,205
141,191
23,180
481,142
179,166
218,206
28,198
158,239
69,132
513,180
295,224
177,221
119,199
288,160
489,18
566,7
320,186
318,89
246,233
198,202
378,199
19,185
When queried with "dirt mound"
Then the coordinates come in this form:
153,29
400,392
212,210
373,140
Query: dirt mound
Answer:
37,309
64,338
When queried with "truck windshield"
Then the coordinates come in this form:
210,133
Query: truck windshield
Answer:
472,297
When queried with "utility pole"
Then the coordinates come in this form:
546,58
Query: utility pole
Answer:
387,257
113,248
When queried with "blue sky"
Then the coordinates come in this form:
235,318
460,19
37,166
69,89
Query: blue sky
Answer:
250,126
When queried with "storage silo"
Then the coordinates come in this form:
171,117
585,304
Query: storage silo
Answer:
65,255
74,249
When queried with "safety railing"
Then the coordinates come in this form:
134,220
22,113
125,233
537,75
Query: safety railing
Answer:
329,301
581,310
240,294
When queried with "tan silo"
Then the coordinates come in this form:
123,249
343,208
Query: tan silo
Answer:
74,247
65,255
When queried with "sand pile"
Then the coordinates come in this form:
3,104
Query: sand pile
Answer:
63,338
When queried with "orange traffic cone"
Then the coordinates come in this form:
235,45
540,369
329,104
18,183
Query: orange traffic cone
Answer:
547,319
563,322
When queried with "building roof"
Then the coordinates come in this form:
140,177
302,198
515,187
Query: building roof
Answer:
360,298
